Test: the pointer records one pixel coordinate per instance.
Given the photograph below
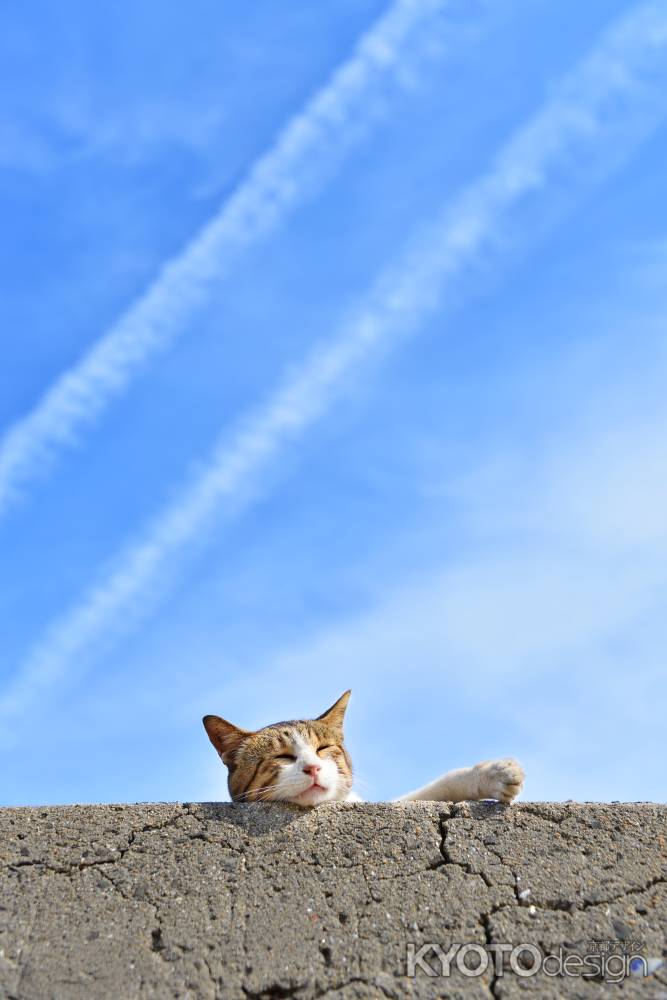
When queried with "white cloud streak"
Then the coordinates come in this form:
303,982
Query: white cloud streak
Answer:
606,105
301,157
557,628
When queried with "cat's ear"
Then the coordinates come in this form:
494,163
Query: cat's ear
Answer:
225,737
334,716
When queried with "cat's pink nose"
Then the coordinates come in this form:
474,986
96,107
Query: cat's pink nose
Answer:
312,770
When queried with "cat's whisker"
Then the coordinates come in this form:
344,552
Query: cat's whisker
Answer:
288,750
258,791
361,781
363,785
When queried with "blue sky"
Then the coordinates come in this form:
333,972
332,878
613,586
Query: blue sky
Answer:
334,356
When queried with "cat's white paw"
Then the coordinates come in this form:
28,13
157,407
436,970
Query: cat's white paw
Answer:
499,779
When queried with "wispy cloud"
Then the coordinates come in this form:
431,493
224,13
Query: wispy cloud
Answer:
302,157
547,616
598,114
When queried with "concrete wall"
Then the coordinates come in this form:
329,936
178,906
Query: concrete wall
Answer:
267,901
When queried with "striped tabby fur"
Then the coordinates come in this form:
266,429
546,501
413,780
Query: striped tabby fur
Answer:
305,762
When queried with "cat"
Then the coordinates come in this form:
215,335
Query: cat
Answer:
305,762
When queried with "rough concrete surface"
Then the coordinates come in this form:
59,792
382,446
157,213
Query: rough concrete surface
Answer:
259,901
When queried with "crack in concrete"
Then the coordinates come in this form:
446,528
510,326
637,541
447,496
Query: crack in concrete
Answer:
100,864
509,868
362,907
464,865
658,880
551,905
582,905
488,935
277,992
79,866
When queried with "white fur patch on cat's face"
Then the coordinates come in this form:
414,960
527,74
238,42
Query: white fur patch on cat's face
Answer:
322,783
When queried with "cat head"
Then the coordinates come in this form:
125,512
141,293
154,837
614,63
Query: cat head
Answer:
303,762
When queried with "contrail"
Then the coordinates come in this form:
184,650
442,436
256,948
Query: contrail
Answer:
303,155
615,98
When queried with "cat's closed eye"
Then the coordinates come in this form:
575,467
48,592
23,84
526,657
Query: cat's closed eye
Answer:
302,761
